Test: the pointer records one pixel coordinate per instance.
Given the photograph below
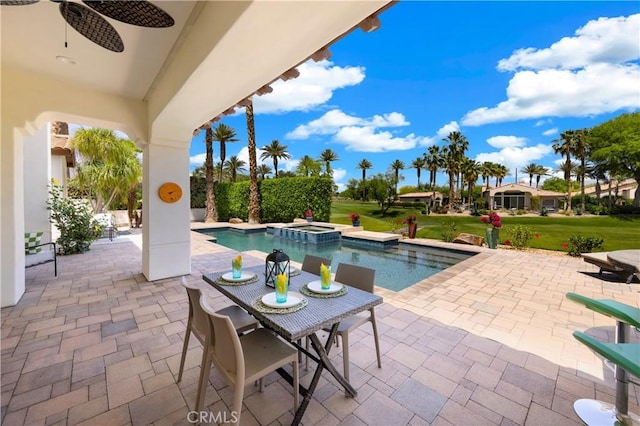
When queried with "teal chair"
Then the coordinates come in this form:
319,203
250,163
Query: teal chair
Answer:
623,355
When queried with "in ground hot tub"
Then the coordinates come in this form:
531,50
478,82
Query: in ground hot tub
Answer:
312,234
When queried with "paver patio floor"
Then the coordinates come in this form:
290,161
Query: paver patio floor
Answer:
487,341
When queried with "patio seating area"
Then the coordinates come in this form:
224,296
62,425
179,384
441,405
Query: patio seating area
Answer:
487,341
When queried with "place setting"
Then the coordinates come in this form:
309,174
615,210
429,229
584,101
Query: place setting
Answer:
237,276
324,287
281,301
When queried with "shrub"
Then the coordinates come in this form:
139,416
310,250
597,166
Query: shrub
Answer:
544,212
449,231
74,219
580,244
520,236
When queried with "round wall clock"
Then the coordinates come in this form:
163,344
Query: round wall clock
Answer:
170,192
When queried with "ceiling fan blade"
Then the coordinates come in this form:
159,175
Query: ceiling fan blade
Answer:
92,26
17,2
141,13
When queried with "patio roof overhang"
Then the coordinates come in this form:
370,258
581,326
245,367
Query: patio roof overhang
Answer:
165,84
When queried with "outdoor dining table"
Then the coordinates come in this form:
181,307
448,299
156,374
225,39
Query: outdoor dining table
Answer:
319,313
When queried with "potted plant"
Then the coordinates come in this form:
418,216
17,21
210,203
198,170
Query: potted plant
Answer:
412,225
492,233
355,219
309,215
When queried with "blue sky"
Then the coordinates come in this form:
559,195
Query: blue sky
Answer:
510,76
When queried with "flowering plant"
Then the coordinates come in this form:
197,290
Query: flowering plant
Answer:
354,217
492,219
308,213
410,219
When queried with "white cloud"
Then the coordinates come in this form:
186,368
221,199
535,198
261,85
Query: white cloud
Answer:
589,74
514,157
332,121
506,141
338,175
314,87
359,134
607,40
198,159
442,133
550,132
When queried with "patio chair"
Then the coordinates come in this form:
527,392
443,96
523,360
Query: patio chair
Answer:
361,278
36,253
198,323
312,263
243,359
601,261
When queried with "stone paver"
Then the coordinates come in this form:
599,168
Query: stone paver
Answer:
487,341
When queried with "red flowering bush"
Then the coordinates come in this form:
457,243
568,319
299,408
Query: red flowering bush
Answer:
308,213
354,217
410,219
492,219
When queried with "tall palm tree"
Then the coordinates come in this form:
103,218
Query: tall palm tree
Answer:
210,212
275,151
580,148
234,165
223,134
500,172
396,166
327,156
364,165
264,170
433,161
454,153
486,171
531,170
564,147
418,164
254,197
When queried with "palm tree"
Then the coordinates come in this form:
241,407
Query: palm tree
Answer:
564,147
580,148
540,171
264,170
210,212
433,162
234,165
223,134
471,171
275,151
486,171
418,164
364,165
327,156
396,166
254,197
307,166
500,173
454,153
531,170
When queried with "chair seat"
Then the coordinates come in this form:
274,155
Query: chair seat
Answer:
262,351
351,323
624,355
38,258
241,320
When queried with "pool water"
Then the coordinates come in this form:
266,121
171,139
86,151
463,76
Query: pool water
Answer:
396,268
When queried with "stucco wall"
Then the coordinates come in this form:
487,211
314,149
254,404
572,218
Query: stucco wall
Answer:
36,177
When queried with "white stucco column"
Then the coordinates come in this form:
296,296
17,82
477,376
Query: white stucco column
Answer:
165,226
11,215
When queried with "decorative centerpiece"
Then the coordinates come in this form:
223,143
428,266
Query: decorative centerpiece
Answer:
412,225
236,267
355,219
309,215
277,263
492,233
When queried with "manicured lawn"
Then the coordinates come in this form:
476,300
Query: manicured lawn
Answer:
619,232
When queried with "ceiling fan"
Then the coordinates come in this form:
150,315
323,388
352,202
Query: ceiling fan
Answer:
88,22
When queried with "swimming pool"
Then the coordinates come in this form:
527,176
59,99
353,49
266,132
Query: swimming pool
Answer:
396,268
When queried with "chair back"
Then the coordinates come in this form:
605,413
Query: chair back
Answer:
199,319
356,276
227,350
312,263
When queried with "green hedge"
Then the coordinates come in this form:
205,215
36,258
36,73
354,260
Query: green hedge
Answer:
282,200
